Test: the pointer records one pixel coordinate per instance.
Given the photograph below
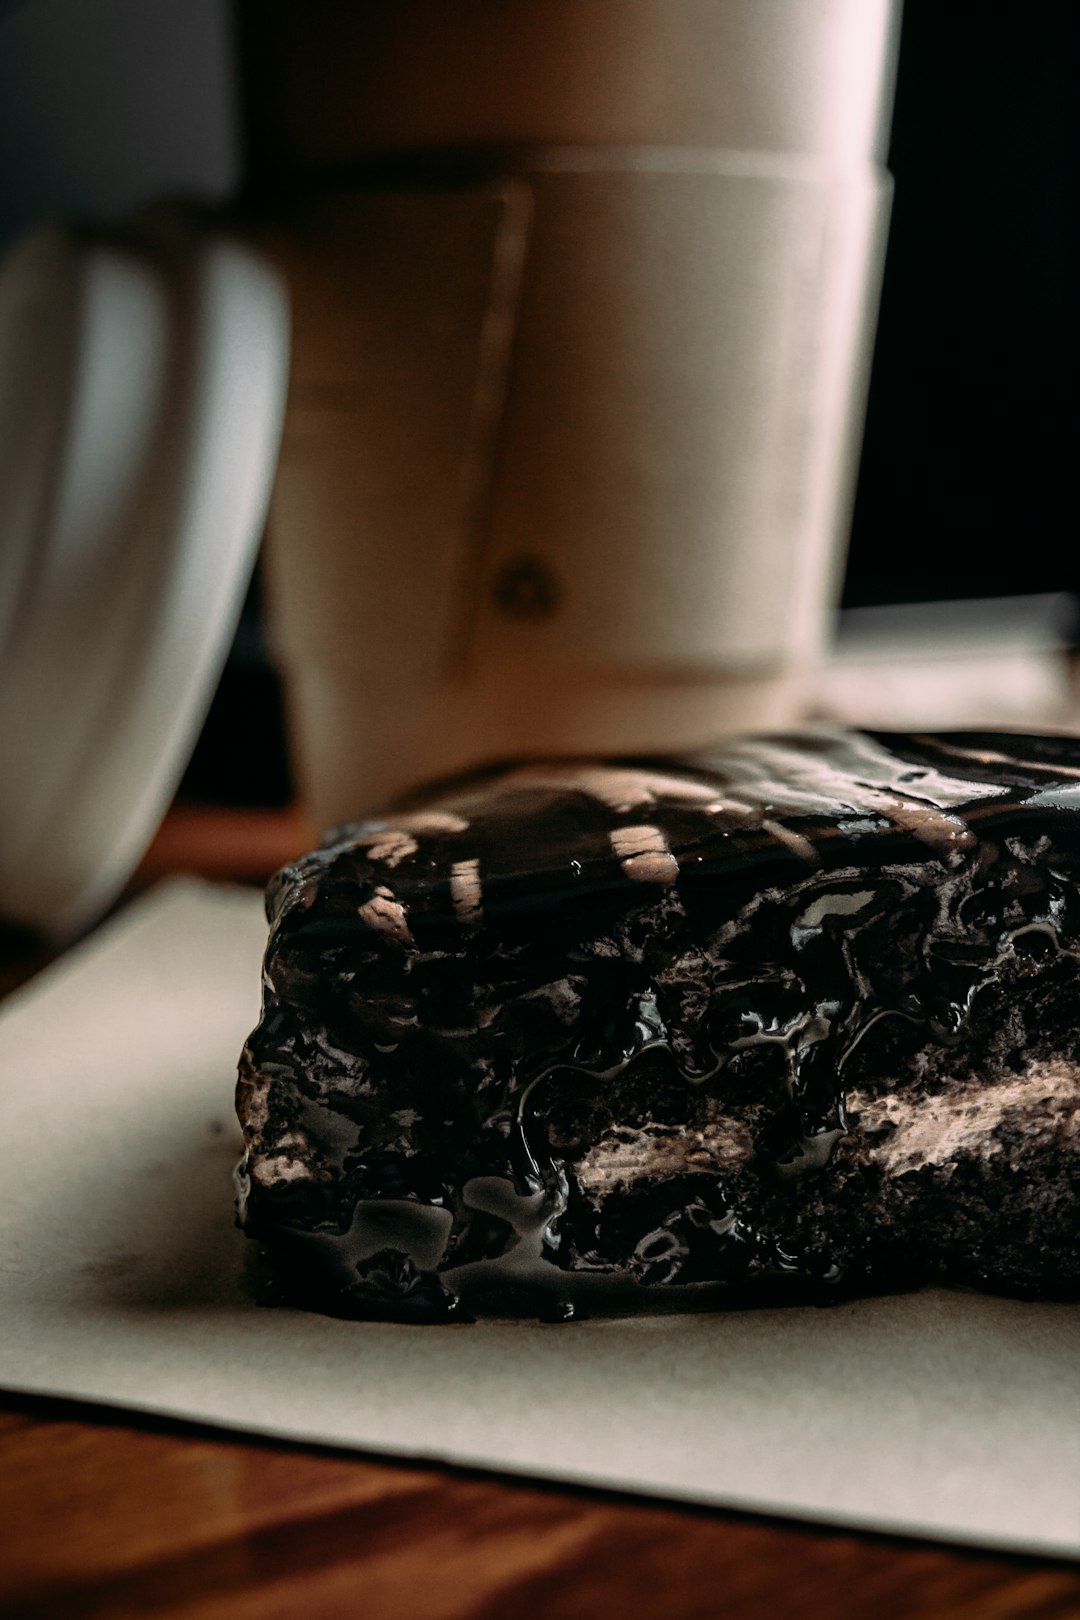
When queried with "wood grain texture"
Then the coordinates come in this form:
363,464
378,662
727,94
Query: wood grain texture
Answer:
109,1517
231,845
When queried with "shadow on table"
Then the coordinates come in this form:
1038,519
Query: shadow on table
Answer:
165,1236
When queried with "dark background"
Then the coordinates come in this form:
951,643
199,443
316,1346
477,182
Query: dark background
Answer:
967,483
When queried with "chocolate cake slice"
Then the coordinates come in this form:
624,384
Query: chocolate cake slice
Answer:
793,1018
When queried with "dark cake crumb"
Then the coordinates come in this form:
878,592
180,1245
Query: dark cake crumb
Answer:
790,1020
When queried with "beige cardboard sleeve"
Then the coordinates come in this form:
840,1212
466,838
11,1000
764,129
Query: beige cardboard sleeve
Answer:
567,459
123,1280
569,455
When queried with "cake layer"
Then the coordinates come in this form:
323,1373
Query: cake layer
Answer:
794,1017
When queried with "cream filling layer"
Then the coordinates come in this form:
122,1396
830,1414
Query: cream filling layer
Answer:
967,1118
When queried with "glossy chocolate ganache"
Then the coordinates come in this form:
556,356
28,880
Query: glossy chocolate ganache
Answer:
793,1018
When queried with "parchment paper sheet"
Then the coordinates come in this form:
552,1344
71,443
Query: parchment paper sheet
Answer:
122,1280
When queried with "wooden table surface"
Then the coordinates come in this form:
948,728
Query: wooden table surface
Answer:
105,1514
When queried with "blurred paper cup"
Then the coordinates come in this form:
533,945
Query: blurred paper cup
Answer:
578,379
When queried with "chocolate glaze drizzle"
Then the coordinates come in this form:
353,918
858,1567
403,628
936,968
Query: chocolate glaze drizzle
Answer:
792,1018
